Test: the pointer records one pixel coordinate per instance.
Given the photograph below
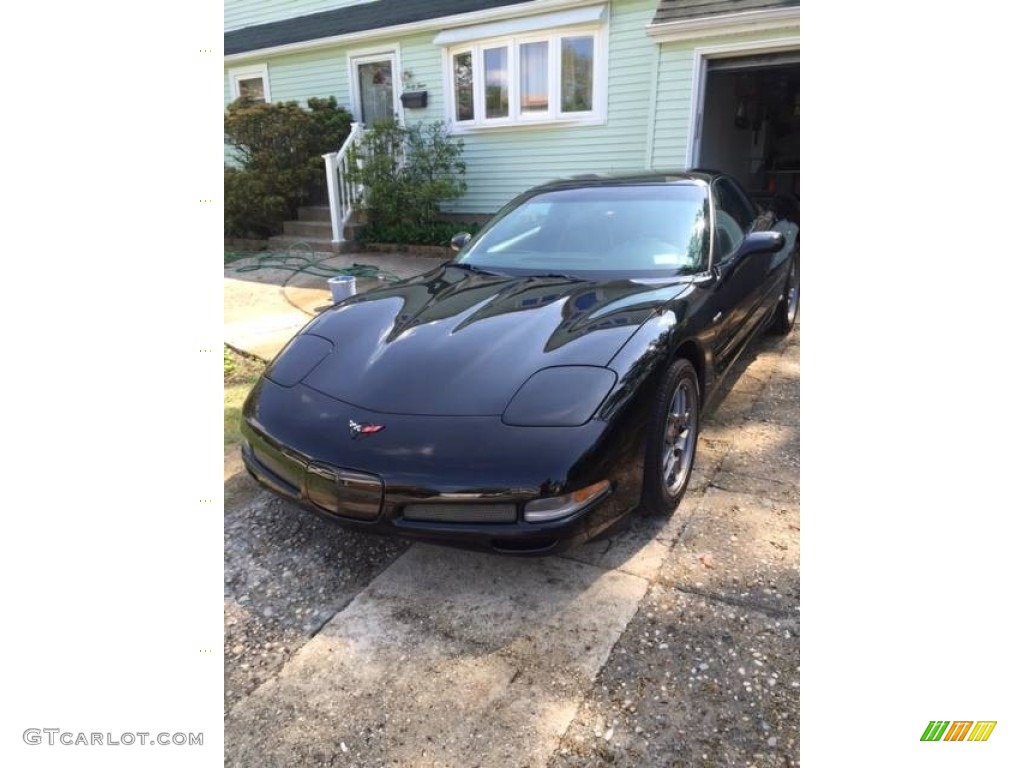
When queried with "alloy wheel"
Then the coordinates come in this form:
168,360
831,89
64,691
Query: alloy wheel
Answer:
680,437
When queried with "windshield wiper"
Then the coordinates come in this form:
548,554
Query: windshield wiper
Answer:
472,268
560,275
480,270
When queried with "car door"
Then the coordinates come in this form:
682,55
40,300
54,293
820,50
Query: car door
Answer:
739,286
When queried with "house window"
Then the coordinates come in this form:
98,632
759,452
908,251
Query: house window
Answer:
250,83
577,74
536,78
462,64
496,82
533,77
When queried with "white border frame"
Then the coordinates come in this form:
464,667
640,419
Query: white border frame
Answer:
701,54
250,72
391,53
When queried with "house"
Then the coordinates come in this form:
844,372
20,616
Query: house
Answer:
544,88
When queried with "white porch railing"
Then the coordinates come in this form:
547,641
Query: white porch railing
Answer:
342,193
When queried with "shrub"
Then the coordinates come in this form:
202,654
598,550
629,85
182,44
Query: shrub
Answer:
433,233
252,207
408,172
279,149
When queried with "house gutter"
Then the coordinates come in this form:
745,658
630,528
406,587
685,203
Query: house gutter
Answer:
427,25
726,23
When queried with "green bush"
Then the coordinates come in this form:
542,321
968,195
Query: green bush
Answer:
408,172
279,149
252,206
432,233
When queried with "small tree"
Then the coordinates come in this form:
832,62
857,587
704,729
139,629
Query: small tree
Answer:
435,170
408,173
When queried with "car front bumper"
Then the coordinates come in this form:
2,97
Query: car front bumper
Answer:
298,444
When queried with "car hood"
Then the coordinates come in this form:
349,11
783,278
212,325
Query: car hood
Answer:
455,342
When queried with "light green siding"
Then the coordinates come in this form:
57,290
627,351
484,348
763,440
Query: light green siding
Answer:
422,60
671,119
246,13
317,73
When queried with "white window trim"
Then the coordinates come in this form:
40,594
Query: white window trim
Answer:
249,73
554,116
365,56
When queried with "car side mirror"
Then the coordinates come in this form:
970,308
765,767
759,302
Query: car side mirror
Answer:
761,242
458,242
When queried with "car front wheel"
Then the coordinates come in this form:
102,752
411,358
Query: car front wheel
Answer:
789,305
672,438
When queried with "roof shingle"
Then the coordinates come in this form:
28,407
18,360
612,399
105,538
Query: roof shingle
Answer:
684,10
348,20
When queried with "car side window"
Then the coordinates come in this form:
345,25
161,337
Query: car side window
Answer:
734,217
728,235
734,202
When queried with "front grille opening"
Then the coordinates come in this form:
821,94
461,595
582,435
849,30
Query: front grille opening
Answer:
460,513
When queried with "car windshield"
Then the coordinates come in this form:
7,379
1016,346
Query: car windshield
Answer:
643,230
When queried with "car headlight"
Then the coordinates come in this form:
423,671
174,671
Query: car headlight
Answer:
300,356
563,396
556,507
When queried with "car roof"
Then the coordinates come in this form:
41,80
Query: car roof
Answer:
699,175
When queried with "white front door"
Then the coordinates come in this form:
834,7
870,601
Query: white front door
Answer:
374,93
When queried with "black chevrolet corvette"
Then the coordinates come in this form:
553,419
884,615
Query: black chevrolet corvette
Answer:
547,381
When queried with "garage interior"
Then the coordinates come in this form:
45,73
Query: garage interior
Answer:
751,121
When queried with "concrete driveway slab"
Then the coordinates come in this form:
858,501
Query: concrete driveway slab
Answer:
448,658
286,573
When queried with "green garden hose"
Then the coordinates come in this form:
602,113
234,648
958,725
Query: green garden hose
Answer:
306,262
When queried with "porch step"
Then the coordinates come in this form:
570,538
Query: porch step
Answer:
319,245
315,213
314,228
318,230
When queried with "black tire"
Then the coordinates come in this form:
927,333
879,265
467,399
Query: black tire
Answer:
662,490
788,308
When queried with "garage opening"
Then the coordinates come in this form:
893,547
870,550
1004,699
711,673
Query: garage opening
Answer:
751,121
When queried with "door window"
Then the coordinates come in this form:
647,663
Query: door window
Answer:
376,92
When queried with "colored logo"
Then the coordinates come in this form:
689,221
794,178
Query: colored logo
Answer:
958,730
358,430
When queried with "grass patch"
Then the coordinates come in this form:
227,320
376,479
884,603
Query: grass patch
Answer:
241,372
